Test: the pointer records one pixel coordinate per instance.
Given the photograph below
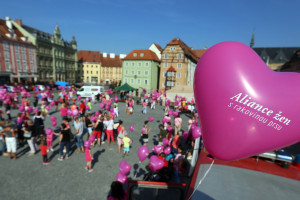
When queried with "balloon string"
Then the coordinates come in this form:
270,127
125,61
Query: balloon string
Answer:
202,178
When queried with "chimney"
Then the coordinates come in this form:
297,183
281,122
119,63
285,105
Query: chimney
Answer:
112,55
104,55
19,22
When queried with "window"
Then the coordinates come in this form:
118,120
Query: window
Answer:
31,57
126,80
146,82
96,72
178,65
126,64
177,83
179,56
94,79
92,67
96,67
87,72
103,70
178,75
139,72
172,48
87,66
111,70
146,64
166,56
132,64
91,72
138,81
18,57
111,76
132,72
164,74
165,65
146,73
126,71
139,64
132,81
134,54
107,70
163,84
24,58
87,79
142,54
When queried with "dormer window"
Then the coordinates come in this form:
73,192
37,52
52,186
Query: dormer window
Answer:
172,48
142,54
134,54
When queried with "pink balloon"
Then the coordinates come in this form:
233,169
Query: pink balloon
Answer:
121,178
96,114
19,120
143,153
35,110
75,112
196,132
54,123
170,128
22,109
167,150
48,108
69,112
101,105
170,112
92,138
165,141
131,128
107,108
175,113
116,99
87,144
158,149
252,109
150,118
185,135
156,163
29,109
52,103
87,107
93,119
53,118
124,167
78,98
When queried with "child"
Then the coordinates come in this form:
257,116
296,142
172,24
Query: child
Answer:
90,105
49,140
43,149
116,110
144,107
176,164
88,156
126,141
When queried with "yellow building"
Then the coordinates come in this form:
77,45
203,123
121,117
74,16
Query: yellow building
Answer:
111,68
90,63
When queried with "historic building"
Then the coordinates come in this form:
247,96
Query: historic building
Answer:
141,69
293,65
111,71
56,58
90,63
17,55
182,59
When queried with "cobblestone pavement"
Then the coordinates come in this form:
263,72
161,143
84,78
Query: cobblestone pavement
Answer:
27,178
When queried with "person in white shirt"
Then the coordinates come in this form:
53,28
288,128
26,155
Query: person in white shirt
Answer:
109,123
78,135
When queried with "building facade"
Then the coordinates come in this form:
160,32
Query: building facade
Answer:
56,58
17,55
90,63
183,59
141,69
111,71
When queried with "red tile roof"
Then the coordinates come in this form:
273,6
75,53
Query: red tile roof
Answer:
158,47
187,50
199,52
4,30
171,69
148,55
89,56
111,62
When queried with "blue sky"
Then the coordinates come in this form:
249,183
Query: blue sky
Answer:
120,26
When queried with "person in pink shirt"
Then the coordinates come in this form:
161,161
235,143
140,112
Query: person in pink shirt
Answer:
177,123
191,122
167,119
50,140
63,111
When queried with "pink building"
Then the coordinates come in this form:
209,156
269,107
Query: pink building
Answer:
17,56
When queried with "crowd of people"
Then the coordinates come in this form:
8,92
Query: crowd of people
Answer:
28,126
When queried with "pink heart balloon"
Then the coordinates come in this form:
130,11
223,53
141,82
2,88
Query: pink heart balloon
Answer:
167,150
165,141
143,153
121,178
124,167
244,107
158,149
185,135
196,132
156,163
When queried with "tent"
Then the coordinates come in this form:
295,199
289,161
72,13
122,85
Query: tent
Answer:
125,88
62,83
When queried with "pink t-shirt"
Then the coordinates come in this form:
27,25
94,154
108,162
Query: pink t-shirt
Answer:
64,112
50,136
